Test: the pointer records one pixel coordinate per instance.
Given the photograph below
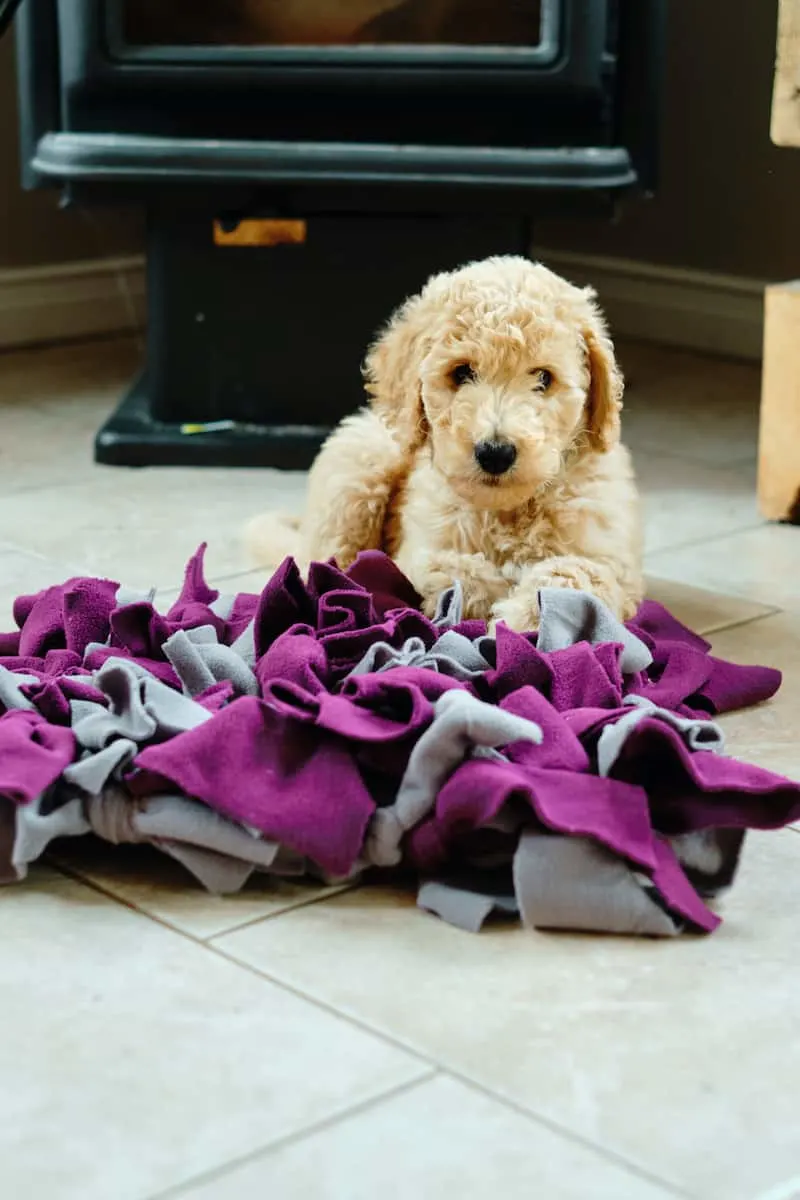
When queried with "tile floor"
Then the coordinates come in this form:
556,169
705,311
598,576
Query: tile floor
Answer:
338,1044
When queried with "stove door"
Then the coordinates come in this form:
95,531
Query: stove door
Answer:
375,24
546,94
438,72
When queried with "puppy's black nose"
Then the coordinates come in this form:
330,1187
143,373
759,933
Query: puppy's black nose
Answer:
495,458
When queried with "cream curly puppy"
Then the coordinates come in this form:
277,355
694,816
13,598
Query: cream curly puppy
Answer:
490,451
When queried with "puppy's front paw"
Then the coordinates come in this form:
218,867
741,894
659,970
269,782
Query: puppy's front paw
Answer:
478,593
520,613
430,601
476,601
582,575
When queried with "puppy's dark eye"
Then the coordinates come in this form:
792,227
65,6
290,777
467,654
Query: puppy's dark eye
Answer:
542,379
462,374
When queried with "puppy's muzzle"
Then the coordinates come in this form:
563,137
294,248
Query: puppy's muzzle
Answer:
495,458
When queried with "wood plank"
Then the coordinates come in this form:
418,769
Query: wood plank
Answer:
786,91
779,441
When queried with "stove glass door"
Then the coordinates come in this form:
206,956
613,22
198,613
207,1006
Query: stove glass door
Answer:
417,25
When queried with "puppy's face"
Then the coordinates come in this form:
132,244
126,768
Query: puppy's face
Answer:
506,371
505,399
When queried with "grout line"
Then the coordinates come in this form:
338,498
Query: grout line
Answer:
394,1040
729,465
219,580
71,569
645,448
93,885
770,612
299,1135
364,1026
200,940
627,1165
703,541
328,1007
373,1031
320,898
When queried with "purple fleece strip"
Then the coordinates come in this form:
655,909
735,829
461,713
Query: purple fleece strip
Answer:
306,761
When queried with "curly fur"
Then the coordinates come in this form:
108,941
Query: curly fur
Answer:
402,476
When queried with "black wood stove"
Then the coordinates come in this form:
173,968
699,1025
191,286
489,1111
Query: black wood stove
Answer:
305,164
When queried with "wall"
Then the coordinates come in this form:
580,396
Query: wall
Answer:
729,201
33,230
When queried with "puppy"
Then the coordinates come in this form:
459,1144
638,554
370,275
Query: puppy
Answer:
489,453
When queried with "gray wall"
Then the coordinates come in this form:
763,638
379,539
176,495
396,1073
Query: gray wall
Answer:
728,200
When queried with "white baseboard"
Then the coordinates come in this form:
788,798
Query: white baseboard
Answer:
721,314
65,301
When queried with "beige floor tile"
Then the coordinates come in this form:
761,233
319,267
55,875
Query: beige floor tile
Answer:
434,1140
40,874
242,581
141,526
149,1061
134,1059
155,884
52,402
67,377
686,502
761,565
767,735
21,574
682,1056
135,525
701,610
230,584
692,405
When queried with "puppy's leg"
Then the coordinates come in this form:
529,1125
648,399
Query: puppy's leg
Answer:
273,536
349,489
612,583
483,583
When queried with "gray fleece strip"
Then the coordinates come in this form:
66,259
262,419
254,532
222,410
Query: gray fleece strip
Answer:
200,660
568,617
573,883
140,707
461,725
11,685
698,733
461,906
449,606
453,655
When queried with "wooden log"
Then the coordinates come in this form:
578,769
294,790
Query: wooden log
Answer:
779,440
786,90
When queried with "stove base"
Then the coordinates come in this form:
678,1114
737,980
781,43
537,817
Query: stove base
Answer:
263,343
132,437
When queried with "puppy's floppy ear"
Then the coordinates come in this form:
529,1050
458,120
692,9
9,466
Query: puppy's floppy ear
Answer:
392,374
606,385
